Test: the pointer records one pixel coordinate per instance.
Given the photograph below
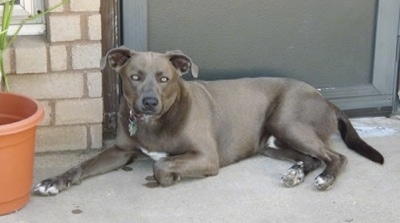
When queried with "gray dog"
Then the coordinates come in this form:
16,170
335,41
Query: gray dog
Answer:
193,128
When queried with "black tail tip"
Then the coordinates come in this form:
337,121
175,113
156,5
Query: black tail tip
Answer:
378,158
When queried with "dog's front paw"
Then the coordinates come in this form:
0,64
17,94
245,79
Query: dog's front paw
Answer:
55,185
163,177
51,186
294,175
169,179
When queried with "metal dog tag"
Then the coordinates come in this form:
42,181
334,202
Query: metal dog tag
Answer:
132,127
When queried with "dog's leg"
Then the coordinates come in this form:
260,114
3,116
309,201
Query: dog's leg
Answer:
335,162
169,170
305,140
304,164
105,161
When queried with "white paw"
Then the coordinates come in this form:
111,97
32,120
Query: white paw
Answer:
45,190
324,182
48,187
293,176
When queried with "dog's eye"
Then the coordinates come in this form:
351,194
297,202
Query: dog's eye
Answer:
135,77
164,79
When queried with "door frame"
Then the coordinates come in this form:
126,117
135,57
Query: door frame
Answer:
110,26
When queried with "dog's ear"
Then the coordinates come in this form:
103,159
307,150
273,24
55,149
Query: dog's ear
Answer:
183,63
116,58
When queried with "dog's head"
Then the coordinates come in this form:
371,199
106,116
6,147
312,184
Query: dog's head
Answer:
150,81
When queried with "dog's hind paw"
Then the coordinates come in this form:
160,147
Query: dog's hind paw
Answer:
324,182
294,175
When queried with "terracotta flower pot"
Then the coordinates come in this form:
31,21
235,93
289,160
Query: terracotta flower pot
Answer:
19,117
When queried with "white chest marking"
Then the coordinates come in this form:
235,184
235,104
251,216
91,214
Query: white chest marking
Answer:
271,143
154,155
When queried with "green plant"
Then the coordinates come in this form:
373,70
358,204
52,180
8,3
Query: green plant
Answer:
6,40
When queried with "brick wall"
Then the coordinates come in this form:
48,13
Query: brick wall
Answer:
60,69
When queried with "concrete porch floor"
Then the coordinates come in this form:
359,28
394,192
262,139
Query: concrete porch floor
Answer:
248,191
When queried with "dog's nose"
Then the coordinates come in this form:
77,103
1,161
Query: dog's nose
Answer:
150,102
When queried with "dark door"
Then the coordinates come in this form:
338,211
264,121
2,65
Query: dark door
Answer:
345,48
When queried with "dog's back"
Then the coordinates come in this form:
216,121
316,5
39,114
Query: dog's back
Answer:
240,111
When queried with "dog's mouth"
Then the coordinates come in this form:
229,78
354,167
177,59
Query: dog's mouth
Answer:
141,115
146,109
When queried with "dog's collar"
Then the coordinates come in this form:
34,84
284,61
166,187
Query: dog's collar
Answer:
134,118
132,126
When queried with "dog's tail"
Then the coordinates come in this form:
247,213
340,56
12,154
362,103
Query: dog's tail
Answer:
353,140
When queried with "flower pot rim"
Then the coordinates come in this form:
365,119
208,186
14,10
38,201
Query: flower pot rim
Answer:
26,123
